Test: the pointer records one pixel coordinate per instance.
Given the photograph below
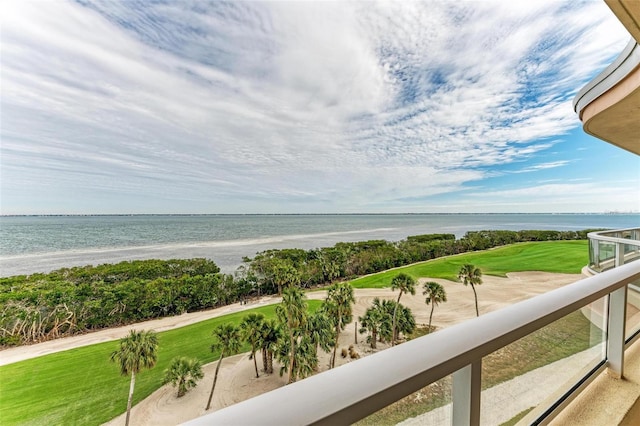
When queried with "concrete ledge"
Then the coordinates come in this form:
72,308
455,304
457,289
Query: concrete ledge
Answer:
608,401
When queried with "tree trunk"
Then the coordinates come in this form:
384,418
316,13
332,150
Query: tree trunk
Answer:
475,296
393,323
269,362
132,384
215,379
255,361
374,337
356,332
292,357
332,361
431,315
264,360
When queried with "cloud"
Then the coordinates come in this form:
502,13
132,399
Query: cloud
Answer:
297,106
543,166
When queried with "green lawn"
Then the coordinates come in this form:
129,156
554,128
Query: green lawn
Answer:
549,256
81,386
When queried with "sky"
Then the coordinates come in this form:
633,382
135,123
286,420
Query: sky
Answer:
190,107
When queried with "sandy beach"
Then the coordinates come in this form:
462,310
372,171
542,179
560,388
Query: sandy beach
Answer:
236,380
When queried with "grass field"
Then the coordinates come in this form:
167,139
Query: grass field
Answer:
81,386
549,256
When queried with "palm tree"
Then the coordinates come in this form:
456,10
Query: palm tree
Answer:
406,284
251,326
320,331
183,373
470,275
292,312
270,334
406,321
338,307
285,274
435,294
228,342
138,350
372,321
305,359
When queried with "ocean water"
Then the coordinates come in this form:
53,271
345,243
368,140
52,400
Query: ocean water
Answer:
31,244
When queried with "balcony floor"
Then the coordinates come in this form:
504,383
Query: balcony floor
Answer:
608,400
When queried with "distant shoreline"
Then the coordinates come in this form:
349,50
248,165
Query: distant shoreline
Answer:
309,214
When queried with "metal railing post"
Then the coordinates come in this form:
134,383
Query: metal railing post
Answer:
615,331
466,395
619,255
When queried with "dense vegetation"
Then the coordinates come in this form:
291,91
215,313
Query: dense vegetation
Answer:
68,301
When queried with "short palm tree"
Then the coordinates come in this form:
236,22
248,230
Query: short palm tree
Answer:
270,334
285,274
470,275
228,342
372,321
251,326
406,284
138,350
183,373
435,295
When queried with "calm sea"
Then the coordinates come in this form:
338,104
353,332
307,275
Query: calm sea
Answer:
42,243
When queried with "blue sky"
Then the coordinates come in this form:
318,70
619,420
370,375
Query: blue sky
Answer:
302,107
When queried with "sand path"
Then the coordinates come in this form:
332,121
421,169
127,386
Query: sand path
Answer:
237,382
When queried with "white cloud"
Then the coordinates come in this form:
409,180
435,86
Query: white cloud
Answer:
273,106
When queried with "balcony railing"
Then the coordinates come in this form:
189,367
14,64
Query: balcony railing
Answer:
608,249
354,391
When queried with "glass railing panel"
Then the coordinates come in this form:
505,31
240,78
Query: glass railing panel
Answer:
526,377
633,310
594,262
631,252
430,405
606,255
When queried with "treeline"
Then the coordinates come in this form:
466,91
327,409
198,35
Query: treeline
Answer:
69,301
268,271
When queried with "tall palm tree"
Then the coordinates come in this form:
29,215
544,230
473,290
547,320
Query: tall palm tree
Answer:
435,295
338,307
470,275
270,334
292,312
138,350
406,284
228,342
251,327
183,373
